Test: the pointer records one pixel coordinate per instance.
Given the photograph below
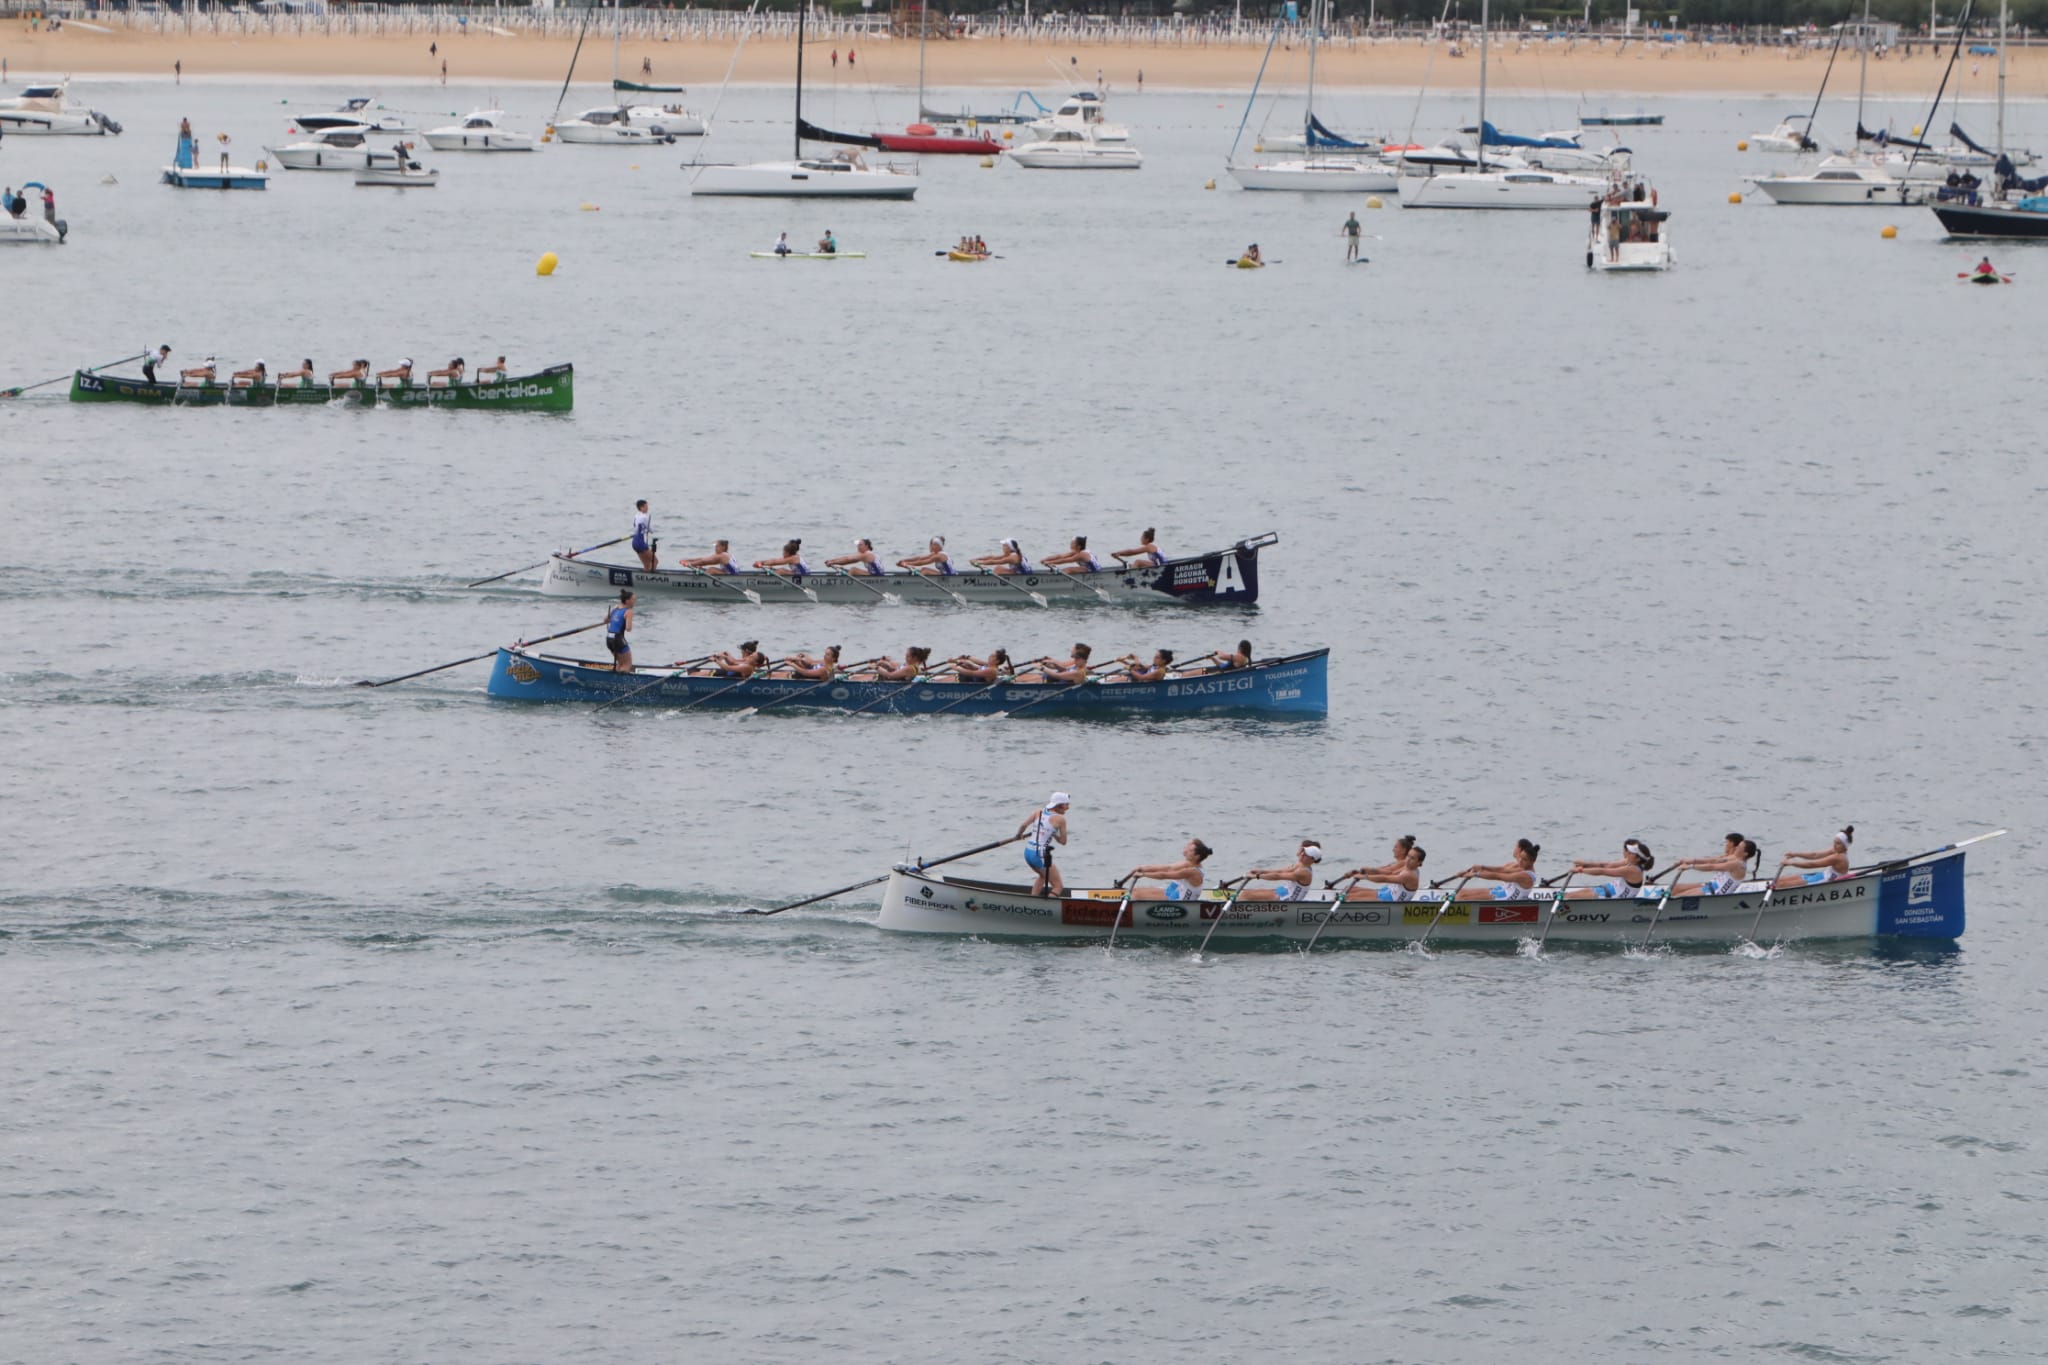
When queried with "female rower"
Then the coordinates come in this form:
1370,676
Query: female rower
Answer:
1729,868
1401,847
934,561
1181,881
1224,660
790,559
862,561
1073,669
1627,872
251,377
299,378
820,669
1516,876
350,378
1290,883
915,659
1008,560
1046,828
1826,866
617,622
1156,671
1148,555
643,536
989,671
1074,559
1397,881
198,374
744,664
718,561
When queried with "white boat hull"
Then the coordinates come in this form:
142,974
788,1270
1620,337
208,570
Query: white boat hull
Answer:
479,140
393,178
1076,157
37,123
803,180
1318,174
1501,190
319,156
1918,898
26,231
1806,190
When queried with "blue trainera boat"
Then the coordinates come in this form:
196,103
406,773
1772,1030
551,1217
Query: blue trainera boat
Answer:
1295,685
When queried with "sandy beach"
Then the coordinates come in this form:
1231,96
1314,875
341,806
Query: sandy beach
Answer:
1592,71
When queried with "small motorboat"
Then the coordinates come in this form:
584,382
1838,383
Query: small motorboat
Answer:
41,111
28,227
1789,138
481,131
1082,112
347,148
408,176
629,126
1841,180
1628,236
354,113
1076,149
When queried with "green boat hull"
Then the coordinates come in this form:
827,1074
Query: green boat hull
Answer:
550,390
637,87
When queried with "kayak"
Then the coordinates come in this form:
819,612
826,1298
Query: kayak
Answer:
809,255
967,255
1247,263
1986,279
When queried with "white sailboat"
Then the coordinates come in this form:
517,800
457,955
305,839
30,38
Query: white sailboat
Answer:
1513,186
842,176
1314,171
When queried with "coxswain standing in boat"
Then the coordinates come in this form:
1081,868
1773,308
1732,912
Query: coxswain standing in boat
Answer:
1516,877
162,356
1290,883
1046,828
1824,865
1627,873
719,561
1181,881
1729,868
863,560
644,543
617,623
251,377
402,372
1074,559
1007,560
788,564
1148,555
351,377
934,562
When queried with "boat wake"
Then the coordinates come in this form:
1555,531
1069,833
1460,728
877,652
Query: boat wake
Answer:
1744,948
1641,954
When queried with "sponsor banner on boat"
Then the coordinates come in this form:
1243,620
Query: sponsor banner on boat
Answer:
974,905
1366,912
1527,912
1924,901
1090,914
1424,913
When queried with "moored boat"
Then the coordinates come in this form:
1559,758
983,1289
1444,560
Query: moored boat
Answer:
549,390
333,149
628,126
356,112
31,227
1920,897
481,131
1076,149
1294,685
1227,577
41,111
185,172
409,176
1629,235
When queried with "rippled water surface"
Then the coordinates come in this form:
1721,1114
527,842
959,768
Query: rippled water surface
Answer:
353,1024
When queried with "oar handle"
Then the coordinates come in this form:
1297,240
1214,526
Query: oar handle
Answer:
404,677
922,863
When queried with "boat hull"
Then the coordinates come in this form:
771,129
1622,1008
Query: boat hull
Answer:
808,255
37,231
1991,221
483,140
1295,686
391,177
550,390
802,180
233,178
1228,578
1330,175
938,144
1920,899
1512,190
1036,158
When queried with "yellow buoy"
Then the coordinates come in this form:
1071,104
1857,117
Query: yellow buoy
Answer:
1210,185
587,208
547,263
1916,130
1008,134
1259,147
1735,196
633,167
1372,201
1742,146
261,164
988,163
1890,231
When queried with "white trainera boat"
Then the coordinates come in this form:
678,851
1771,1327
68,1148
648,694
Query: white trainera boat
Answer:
482,131
1228,578
1919,898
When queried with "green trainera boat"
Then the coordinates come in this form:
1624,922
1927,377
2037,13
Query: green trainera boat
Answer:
549,390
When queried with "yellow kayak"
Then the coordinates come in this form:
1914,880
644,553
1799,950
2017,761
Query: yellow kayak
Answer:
1247,263
967,255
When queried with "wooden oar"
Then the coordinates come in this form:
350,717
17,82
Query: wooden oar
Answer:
44,384
792,581
1121,906
719,579
403,677
1349,882
1004,579
1897,863
1765,904
1556,904
572,554
1217,923
1442,910
1050,696
938,580
922,864
1658,913
805,691
861,578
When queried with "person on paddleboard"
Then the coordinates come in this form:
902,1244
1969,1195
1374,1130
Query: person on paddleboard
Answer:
617,622
718,561
1181,881
828,244
782,246
1148,555
1516,877
1290,883
1395,881
1353,230
1626,874
1823,865
643,536
1046,828
863,560
1074,559
1728,868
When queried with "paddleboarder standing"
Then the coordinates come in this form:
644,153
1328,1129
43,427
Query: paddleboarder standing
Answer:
1352,231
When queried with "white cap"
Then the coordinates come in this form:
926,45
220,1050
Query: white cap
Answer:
1842,837
260,366
1059,799
1312,852
406,361
1009,544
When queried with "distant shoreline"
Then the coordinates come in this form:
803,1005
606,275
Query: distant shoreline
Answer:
1620,77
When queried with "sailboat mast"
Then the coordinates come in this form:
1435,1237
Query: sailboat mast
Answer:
1863,71
802,6
1314,33
924,24
2001,77
1479,161
617,27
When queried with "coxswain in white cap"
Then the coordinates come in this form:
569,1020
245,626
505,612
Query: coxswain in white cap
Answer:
1044,829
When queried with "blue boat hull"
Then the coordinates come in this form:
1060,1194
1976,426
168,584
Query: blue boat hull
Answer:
1294,686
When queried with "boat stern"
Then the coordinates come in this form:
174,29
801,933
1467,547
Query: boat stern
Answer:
1924,900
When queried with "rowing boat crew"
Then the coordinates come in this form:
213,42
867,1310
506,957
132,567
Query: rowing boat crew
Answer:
1183,877
936,561
356,376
